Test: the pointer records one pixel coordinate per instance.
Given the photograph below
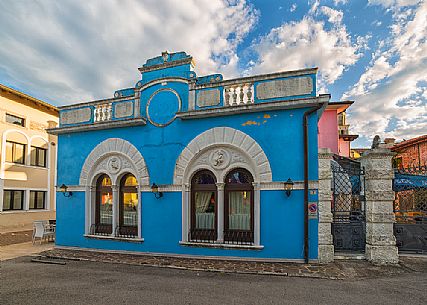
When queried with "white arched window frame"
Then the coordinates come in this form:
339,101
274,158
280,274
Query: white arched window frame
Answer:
115,158
221,150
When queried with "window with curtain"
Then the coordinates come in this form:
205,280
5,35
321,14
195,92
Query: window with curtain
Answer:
128,208
203,206
239,206
104,206
37,200
38,156
13,200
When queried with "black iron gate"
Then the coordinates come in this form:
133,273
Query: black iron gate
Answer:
410,209
348,205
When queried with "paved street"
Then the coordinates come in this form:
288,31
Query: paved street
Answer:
79,282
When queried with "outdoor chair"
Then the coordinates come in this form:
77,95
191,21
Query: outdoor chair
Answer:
43,230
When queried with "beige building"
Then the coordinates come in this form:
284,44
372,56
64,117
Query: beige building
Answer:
27,160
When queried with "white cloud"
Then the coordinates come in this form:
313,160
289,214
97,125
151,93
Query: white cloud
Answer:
334,16
393,87
308,43
394,3
293,7
338,2
76,51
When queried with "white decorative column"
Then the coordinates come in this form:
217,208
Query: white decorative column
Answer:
257,213
220,225
115,222
326,245
380,241
185,213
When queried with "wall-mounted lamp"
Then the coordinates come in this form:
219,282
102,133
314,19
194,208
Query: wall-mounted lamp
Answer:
155,190
289,186
64,190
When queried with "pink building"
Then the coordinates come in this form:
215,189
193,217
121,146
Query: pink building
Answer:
333,129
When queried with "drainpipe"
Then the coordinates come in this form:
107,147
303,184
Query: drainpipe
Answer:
305,130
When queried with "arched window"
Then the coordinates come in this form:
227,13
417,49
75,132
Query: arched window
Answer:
239,207
203,207
128,206
104,205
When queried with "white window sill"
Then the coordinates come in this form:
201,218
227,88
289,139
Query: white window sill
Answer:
24,211
220,245
135,240
26,165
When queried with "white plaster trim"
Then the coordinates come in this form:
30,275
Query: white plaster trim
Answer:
137,240
220,245
162,80
147,107
228,137
115,146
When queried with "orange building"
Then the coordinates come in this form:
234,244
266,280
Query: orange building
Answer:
411,153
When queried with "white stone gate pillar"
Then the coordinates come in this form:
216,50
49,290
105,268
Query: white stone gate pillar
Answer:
380,241
326,246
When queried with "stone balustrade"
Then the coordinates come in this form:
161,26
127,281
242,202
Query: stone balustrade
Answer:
239,94
103,112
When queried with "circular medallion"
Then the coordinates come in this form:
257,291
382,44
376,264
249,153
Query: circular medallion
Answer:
162,107
114,164
219,159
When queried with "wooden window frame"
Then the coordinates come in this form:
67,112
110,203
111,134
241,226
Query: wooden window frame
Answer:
12,197
36,200
203,234
128,231
22,124
14,152
37,161
246,236
101,228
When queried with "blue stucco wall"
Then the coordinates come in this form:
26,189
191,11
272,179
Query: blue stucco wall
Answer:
281,227
279,133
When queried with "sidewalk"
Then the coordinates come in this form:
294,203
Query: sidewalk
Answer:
16,244
340,269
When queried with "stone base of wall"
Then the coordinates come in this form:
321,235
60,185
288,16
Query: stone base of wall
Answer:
382,255
326,254
22,220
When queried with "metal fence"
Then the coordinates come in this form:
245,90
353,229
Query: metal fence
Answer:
348,205
410,209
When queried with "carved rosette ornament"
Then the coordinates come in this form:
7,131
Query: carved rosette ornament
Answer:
114,165
219,159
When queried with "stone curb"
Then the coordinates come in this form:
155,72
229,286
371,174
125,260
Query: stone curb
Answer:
306,275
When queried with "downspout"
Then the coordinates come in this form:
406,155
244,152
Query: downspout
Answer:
305,132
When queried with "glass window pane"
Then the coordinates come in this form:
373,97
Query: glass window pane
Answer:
204,178
130,181
17,200
106,208
19,153
239,210
130,208
12,119
32,200
7,198
106,181
33,155
239,177
9,152
40,200
42,157
205,210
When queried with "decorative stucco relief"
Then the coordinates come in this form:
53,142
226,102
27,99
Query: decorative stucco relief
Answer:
221,149
76,116
114,156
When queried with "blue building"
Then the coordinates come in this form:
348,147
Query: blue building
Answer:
189,165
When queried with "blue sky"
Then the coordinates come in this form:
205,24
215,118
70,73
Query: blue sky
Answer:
373,52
